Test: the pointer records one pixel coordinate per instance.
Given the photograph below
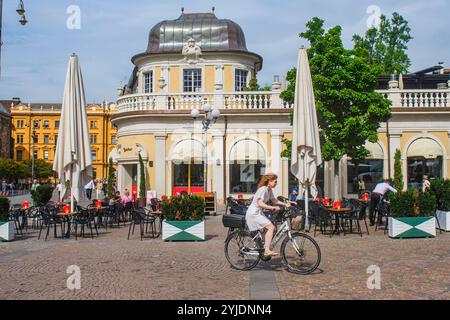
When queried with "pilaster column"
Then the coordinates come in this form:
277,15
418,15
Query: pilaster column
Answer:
160,163
217,165
275,163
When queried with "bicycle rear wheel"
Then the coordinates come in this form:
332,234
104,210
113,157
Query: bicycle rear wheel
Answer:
241,250
301,253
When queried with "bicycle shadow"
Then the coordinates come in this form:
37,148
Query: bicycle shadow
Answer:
276,264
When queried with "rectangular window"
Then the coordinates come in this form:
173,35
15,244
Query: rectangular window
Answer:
35,123
19,155
113,139
19,124
46,124
45,154
56,139
93,124
94,155
57,124
192,80
46,139
148,82
19,138
35,152
93,138
240,80
35,138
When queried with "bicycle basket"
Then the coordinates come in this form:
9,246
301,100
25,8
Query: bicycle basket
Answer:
233,221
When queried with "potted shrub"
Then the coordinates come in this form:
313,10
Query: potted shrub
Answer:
183,218
441,189
42,195
6,226
412,215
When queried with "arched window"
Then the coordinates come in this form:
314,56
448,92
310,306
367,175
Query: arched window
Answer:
247,165
368,172
424,157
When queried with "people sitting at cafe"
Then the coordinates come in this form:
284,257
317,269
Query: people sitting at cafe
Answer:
126,198
117,199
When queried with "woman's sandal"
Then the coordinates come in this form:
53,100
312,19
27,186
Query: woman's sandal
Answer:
270,254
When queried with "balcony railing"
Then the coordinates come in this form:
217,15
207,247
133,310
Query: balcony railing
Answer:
406,99
186,101
411,99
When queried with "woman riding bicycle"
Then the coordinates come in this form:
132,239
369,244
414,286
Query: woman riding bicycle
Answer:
255,218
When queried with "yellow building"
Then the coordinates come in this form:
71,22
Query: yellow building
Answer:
41,120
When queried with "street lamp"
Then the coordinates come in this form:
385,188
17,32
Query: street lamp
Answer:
210,117
32,155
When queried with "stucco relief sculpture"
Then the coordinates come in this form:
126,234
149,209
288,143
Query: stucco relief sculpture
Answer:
191,52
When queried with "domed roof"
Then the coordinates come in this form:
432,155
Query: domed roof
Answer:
209,32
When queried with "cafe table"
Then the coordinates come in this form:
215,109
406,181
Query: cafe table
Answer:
67,216
338,212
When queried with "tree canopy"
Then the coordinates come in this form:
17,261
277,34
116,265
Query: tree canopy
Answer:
386,46
349,111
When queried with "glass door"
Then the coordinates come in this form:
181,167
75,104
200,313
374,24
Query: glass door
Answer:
188,177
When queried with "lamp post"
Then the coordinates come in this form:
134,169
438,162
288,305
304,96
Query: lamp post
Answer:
32,155
210,117
23,21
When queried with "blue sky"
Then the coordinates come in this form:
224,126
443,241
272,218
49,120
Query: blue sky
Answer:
34,58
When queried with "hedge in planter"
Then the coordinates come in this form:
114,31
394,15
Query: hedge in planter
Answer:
441,189
183,218
411,215
6,227
42,195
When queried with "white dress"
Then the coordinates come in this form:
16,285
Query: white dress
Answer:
255,218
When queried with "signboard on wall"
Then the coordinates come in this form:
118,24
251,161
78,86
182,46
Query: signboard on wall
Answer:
247,172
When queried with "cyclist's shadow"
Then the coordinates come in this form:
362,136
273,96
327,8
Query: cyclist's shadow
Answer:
276,264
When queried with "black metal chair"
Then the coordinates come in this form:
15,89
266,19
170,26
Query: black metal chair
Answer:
321,218
382,211
139,217
357,214
50,219
86,217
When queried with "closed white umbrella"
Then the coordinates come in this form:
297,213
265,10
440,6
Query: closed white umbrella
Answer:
306,155
73,159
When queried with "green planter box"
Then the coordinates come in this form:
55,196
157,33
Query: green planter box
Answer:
183,230
6,230
412,227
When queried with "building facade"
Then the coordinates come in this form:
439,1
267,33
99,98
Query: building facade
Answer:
199,59
5,132
35,127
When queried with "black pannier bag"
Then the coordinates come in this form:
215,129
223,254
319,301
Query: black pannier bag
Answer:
233,221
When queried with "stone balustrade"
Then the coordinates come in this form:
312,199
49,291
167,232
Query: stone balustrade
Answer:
407,99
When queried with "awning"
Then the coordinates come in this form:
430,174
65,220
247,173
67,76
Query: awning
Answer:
376,152
425,147
247,150
188,151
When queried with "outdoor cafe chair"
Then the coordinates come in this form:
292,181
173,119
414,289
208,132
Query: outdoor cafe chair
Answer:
48,220
321,218
382,211
139,217
85,218
357,214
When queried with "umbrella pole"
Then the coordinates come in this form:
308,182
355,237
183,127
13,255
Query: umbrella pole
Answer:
306,194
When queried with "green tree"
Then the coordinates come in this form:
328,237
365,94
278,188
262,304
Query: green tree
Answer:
10,169
109,186
349,111
386,46
42,169
142,184
254,86
398,171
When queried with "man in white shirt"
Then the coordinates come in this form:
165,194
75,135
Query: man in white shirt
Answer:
425,184
377,194
88,187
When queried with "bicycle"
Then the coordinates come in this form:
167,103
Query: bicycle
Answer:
300,252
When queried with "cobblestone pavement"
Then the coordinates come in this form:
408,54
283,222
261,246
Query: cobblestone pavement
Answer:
113,267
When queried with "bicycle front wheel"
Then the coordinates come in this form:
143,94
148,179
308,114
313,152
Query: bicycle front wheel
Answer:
301,253
241,250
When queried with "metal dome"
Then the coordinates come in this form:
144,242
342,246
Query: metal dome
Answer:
209,32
